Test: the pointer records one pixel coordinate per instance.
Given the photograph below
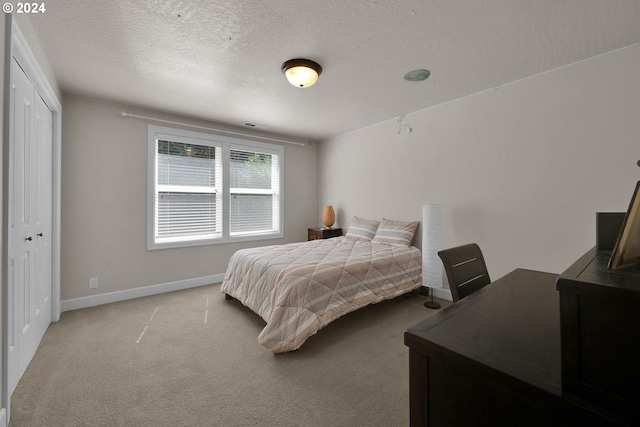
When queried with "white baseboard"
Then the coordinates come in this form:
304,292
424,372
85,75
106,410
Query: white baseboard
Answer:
93,300
443,293
3,418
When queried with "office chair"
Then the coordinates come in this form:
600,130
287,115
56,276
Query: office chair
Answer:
465,268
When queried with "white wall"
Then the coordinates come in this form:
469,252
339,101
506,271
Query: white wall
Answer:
521,169
104,185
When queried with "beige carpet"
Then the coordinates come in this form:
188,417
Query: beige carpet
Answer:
191,358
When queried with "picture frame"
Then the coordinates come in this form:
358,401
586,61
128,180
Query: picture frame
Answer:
626,252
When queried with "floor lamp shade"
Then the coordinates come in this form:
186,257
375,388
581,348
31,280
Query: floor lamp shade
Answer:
431,244
328,216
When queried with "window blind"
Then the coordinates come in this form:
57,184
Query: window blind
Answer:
188,176
254,186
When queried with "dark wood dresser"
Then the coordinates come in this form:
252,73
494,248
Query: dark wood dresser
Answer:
495,359
600,324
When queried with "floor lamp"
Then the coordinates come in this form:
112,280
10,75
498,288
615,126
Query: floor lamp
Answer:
431,244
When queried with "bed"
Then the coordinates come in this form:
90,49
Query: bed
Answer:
298,288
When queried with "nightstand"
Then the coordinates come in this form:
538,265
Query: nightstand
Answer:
323,233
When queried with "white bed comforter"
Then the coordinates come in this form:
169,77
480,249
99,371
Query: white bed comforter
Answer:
298,288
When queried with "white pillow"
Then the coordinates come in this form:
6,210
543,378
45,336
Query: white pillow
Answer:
362,230
395,233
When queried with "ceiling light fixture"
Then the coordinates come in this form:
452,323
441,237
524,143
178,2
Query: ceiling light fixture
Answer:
301,72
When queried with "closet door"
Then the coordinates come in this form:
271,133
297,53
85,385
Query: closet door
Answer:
42,200
29,257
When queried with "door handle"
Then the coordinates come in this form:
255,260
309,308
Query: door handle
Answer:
39,234
29,239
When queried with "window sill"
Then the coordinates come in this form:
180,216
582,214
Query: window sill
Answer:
151,246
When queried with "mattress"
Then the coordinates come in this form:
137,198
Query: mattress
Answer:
298,288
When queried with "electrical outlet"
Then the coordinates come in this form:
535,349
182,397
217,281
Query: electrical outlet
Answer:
93,283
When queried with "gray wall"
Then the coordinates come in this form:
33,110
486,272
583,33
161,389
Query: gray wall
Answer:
521,169
21,20
104,202
3,286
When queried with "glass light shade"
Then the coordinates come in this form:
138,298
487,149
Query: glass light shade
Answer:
328,216
301,72
301,76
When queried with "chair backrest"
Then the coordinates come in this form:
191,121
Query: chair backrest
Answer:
465,268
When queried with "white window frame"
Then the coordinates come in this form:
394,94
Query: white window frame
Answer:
226,144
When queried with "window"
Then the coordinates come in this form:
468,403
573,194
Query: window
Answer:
206,189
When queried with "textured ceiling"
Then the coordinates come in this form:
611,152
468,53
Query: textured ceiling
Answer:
220,60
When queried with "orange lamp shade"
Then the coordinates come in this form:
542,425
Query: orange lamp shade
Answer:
328,216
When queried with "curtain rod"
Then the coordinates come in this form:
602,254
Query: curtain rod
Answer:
125,114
